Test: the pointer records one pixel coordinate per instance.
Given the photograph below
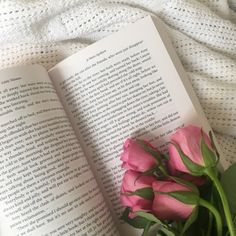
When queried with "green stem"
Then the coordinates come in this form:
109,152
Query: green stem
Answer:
146,229
224,201
209,228
213,210
209,224
179,226
210,220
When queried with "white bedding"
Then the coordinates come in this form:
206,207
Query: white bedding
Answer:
203,33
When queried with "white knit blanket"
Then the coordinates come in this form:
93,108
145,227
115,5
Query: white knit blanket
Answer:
203,33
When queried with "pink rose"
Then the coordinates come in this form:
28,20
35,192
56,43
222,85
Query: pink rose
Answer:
188,139
166,207
134,157
132,181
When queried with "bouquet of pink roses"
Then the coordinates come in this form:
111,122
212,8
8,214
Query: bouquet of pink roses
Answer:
181,193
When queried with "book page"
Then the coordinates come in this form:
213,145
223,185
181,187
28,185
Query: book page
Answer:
123,86
46,185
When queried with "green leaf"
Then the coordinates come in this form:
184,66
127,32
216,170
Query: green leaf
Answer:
148,216
228,183
147,228
190,220
136,222
167,232
213,144
208,155
146,193
194,168
151,218
185,183
186,197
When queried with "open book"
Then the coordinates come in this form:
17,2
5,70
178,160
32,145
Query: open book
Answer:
61,131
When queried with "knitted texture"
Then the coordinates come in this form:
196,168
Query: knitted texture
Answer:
203,33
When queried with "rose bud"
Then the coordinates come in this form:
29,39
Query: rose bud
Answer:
135,157
194,145
167,207
132,184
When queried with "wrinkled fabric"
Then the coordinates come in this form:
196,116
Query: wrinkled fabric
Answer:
203,33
